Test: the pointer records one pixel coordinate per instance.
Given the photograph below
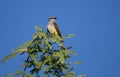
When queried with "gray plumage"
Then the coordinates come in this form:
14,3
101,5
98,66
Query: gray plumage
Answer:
52,27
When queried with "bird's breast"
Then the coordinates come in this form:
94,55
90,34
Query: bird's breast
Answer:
52,29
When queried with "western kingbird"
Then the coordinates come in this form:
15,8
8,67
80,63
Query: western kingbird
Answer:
52,27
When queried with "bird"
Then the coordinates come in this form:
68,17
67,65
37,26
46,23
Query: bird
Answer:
52,27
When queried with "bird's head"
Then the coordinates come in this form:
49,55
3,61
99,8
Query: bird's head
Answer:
52,17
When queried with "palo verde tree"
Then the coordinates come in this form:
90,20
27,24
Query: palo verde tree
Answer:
46,56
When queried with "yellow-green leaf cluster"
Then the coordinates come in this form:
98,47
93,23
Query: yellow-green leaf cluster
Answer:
47,53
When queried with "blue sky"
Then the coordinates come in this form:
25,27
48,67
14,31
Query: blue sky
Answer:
94,23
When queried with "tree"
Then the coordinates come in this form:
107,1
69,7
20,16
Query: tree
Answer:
45,55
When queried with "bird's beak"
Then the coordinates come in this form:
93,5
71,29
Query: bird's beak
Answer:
55,18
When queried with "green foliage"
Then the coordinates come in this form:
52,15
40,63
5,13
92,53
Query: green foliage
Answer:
16,73
9,56
68,36
47,54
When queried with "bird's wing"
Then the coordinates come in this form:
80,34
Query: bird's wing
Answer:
47,29
58,31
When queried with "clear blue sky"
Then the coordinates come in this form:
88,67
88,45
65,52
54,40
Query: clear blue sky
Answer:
95,24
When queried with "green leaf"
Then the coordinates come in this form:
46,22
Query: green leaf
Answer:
8,75
61,57
82,75
68,36
39,34
16,73
47,43
38,28
24,45
73,53
35,35
9,56
21,50
77,62
70,74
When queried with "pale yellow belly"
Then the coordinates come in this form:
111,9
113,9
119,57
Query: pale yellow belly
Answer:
52,30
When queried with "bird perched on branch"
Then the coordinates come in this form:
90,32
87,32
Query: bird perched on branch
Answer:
52,27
